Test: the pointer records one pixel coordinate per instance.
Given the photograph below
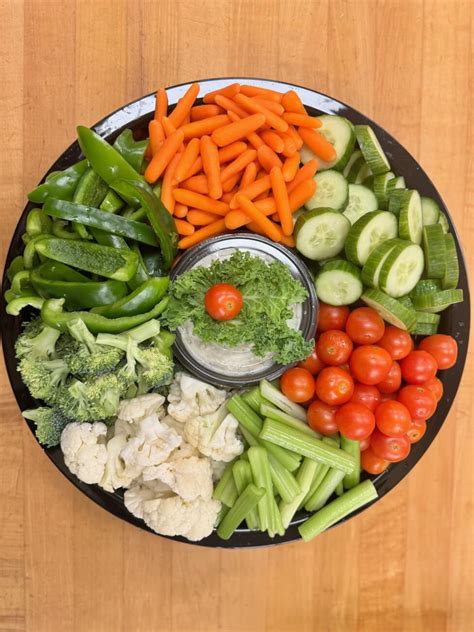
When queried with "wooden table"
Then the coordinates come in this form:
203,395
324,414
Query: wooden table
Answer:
407,564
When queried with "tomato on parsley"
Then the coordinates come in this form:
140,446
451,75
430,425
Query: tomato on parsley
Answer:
223,301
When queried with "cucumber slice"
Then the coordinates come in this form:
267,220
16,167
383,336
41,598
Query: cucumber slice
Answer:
425,286
375,261
368,182
380,186
361,201
405,300
410,223
390,309
402,269
371,149
437,301
428,318
443,222
355,170
321,233
331,191
340,133
398,182
364,174
424,329
451,273
367,233
430,211
338,283
395,200
354,157
434,246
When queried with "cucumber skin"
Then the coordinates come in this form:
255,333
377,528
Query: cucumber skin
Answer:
406,317
306,217
354,235
338,165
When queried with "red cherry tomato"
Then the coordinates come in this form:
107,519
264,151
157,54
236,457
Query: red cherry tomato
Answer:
331,317
334,347
321,417
420,401
391,449
355,421
297,384
366,395
364,444
313,363
334,386
418,367
416,430
396,341
223,301
393,381
371,463
392,418
443,348
365,326
435,385
370,364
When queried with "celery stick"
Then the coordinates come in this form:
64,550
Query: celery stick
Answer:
278,529
225,490
284,482
353,448
292,439
304,478
253,398
339,489
318,478
277,398
325,490
266,410
243,477
261,475
242,506
338,509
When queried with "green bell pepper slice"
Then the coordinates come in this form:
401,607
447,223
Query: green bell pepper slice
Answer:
21,282
15,306
112,203
90,190
38,223
60,229
29,253
56,271
15,266
144,298
132,150
59,184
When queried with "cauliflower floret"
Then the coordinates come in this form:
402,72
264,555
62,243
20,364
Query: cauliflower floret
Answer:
140,492
171,422
140,407
215,435
190,397
85,451
190,478
218,469
116,473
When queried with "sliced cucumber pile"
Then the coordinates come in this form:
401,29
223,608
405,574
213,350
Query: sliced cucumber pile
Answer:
375,261
390,309
332,191
430,211
380,186
321,233
371,149
361,201
340,133
402,269
338,283
367,233
410,219
426,324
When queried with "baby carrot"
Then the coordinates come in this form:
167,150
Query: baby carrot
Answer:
196,168
253,190
295,136
200,218
231,151
230,106
226,197
230,183
163,157
307,171
180,211
168,126
289,145
168,183
290,167
156,134
302,120
249,174
187,119
268,158
273,106
235,131
184,105
199,112
292,103
188,158
288,241
210,164
270,229
203,233
198,184
252,106
301,194
281,199
265,93
237,218
253,138
161,107
316,141
254,227
202,202
228,91
183,227
206,126
239,164
273,140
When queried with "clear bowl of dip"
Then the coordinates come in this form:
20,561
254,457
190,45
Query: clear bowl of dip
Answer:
239,366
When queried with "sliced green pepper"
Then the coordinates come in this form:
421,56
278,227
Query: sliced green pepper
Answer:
10,295
164,341
141,274
140,300
59,184
112,203
15,306
37,223
60,230
90,190
15,266
21,281
52,314
153,261
132,150
57,271
29,253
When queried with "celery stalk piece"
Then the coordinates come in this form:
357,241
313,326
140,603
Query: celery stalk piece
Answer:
276,397
353,448
225,490
339,489
338,509
243,477
325,490
253,398
304,478
301,443
318,478
283,481
243,505
266,410
260,466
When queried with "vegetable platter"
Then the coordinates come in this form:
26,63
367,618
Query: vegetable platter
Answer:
274,461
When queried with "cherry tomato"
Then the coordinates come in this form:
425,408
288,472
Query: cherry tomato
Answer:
396,341
355,421
392,418
393,381
370,364
334,347
345,367
386,397
435,385
418,367
321,417
420,401
331,317
365,326
313,363
391,449
364,444
223,301
366,395
297,384
334,386
371,463
416,430
443,348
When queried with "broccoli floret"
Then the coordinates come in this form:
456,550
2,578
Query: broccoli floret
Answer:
50,422
92,399
155,368
37,340
43,377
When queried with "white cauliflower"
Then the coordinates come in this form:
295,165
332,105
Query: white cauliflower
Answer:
132,410
116,473
189,478
215,435
189,397
85,451
218,469
140,492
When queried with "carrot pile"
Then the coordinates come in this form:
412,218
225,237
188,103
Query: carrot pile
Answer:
234,161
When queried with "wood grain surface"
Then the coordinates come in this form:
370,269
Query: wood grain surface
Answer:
405,565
